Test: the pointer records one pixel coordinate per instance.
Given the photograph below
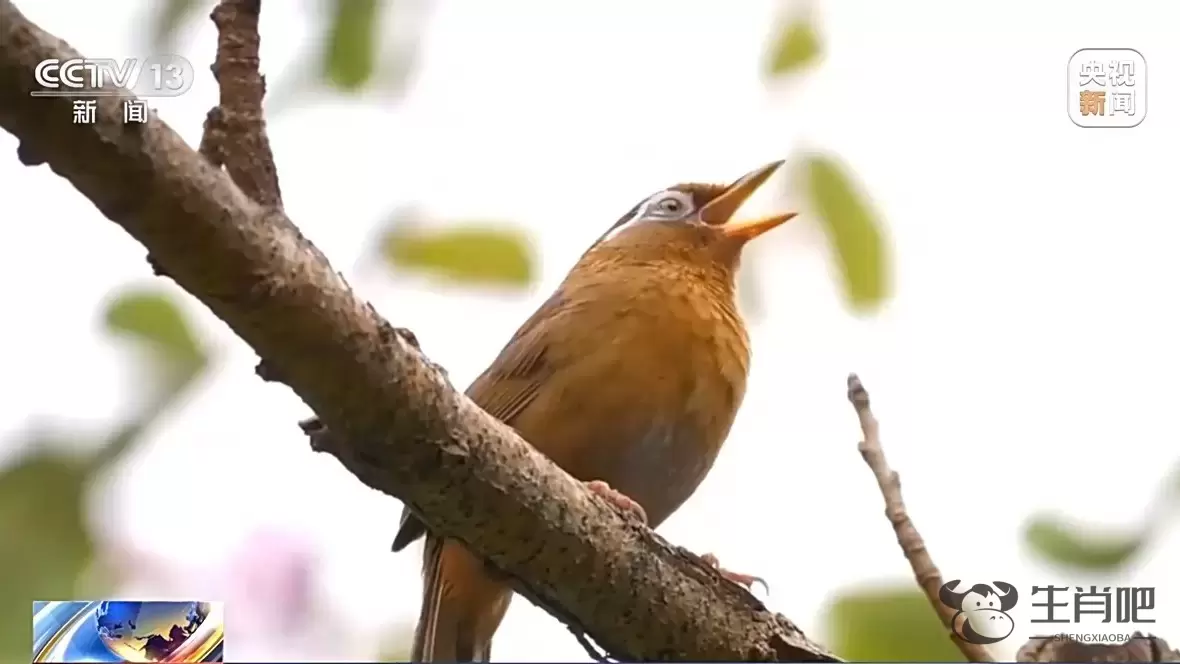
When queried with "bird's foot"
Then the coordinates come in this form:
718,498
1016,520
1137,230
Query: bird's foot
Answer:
744,580
619,501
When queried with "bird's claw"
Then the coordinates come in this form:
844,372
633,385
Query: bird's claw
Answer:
618,500
744,580
627,505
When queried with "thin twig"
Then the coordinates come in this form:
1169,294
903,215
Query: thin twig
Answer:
912,545
235,130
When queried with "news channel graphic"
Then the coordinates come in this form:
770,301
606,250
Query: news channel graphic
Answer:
1107,87
133,80
128,631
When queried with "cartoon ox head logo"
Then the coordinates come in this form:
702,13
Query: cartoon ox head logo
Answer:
982,616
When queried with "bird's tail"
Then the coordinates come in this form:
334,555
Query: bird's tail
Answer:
461,606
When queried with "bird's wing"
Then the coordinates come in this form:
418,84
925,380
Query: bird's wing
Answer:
512,381
506,387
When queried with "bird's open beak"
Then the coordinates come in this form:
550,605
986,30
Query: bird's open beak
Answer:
748,230
718,211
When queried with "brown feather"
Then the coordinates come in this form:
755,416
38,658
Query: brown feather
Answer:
504,389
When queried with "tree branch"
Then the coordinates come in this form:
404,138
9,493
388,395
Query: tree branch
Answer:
1139,648
403,429
912,545
235,129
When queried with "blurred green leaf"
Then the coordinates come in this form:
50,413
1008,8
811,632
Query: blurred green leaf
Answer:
472,254
152,318
796,47
888,625
351,51
854,230
44,542
169,16
1070,546
157,323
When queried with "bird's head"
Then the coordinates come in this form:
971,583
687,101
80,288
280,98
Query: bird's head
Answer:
690,222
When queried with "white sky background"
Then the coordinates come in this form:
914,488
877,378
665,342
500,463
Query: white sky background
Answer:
1026,363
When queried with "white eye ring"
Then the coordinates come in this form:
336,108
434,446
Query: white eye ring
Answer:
670,205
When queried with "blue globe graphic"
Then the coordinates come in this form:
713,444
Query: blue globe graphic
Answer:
148,631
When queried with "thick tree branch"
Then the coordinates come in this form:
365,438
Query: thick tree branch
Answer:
411,434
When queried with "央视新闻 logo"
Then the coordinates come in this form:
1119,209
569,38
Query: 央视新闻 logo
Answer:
1106,87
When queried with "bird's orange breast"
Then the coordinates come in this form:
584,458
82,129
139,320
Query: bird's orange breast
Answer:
644,384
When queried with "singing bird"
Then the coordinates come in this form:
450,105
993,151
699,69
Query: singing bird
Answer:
628,377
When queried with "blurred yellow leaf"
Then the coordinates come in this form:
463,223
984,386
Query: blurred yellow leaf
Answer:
351,49
1069,546
796,47
854,230
169,16
472,254
889,625
44,543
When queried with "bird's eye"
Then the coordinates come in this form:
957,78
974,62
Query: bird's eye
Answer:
670,205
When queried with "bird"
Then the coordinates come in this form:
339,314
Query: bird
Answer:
629,377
